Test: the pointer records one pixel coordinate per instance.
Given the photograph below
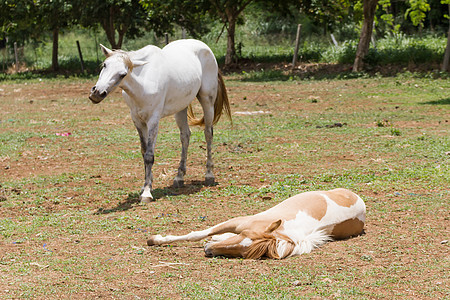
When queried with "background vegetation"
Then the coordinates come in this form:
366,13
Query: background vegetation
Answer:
410,32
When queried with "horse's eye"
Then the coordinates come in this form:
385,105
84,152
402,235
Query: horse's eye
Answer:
123,75
104,66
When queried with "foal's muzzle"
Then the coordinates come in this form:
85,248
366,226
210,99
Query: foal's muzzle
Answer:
96,96
208,251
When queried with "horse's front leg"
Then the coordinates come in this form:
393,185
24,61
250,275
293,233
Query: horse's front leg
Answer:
148,153
185,134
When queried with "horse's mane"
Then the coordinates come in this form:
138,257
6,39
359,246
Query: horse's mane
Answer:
125,56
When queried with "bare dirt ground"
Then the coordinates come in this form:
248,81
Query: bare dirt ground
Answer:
83,235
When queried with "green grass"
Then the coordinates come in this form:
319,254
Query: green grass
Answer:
70,225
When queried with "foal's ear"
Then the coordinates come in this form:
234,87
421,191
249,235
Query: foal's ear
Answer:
107,52
274,226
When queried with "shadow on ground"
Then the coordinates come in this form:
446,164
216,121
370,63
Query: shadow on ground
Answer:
190,188
445,101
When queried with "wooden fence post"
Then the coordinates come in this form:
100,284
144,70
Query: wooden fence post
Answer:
16,56
334,40
297,42
81,56
445,63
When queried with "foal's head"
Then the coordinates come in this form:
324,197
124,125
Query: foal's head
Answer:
253,244
116,67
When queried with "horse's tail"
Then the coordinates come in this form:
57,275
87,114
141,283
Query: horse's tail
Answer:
220,105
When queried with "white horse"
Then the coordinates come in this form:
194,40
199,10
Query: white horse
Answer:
295,226
161,82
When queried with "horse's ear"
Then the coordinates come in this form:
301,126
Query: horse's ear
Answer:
138,63
107,52
274,226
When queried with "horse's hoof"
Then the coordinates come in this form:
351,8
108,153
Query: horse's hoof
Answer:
178,183
146,200
209,181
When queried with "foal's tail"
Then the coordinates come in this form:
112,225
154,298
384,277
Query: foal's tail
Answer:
220,105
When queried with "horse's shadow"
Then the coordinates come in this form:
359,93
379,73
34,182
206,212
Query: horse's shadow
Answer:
443,101
133,198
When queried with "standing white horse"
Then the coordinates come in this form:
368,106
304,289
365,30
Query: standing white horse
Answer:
161,82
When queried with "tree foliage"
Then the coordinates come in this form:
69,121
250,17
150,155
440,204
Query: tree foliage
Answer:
27,19
118,18
17,19
24,20
191,15
417,11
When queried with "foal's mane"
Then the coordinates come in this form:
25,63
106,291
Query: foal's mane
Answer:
266,245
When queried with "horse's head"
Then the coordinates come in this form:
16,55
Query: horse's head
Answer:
116,67
253,244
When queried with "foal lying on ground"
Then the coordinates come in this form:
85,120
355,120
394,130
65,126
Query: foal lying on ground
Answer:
295,226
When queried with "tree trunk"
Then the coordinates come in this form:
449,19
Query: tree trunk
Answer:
369,7
447,50
55,65
108,26
229,12
231,47
122,31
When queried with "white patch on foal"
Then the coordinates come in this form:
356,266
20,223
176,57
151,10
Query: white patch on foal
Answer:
246,242
222,237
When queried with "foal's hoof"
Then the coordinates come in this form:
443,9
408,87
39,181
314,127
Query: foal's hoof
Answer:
178,183
209,181
146,200
153,240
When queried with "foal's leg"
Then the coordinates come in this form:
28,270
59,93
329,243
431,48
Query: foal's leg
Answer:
185,134
234,226
149,159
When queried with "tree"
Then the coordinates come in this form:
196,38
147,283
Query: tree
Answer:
117,18
28,19
445,63
17,20
53,16
191,15
327,13
416,12
369,7
229,12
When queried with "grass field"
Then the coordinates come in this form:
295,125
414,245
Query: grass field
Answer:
70,173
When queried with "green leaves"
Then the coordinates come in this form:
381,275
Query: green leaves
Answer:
417,11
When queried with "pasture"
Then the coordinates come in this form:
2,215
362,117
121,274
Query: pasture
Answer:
70,174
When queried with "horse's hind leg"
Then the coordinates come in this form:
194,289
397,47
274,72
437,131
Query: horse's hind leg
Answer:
208,110
185,134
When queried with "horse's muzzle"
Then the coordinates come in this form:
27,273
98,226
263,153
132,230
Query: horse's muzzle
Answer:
96,96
